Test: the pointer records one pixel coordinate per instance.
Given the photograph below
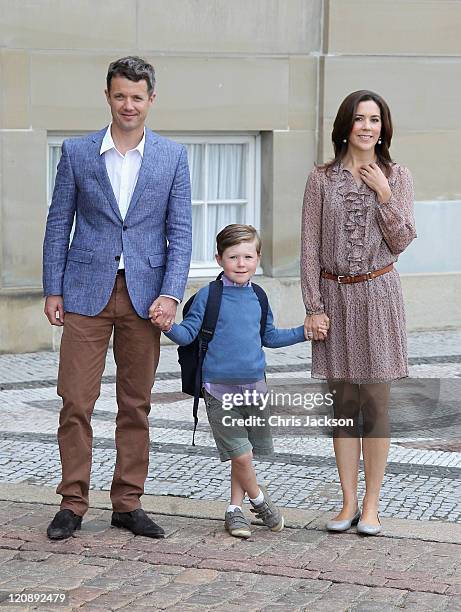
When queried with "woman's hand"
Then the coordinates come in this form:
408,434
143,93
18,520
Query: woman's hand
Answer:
316,326
374,177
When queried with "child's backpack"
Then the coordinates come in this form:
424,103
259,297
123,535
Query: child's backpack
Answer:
191,356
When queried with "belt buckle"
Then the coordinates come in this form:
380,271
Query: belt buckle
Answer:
369,276
339,277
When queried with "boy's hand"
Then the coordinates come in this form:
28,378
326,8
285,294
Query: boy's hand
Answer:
155,312
316,327
162,313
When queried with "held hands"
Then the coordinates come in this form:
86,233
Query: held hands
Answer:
373,176
316,327
162,313
54,310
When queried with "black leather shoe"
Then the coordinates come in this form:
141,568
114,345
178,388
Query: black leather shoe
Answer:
138,523
63,525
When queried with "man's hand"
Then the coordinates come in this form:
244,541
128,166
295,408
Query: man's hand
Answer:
316,326
54,310
162,312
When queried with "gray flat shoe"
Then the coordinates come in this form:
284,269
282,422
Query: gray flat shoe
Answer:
366,529
345,524
268,512
237,524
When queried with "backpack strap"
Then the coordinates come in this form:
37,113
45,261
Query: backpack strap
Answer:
264,303
213,304
205,336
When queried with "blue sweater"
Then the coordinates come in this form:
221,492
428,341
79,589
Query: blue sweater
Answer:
235,354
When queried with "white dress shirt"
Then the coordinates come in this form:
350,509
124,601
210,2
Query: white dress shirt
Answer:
123,171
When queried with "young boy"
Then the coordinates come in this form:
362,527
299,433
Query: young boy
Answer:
234,364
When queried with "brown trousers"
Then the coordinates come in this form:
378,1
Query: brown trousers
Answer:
84,344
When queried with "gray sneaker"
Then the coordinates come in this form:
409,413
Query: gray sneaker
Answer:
268,512
236,524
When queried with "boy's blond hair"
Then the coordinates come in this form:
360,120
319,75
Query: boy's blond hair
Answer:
235,234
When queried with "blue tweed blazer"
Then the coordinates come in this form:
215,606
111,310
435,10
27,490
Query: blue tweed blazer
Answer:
155,237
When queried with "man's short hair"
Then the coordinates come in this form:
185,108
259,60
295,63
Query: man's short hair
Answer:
235,234
132,68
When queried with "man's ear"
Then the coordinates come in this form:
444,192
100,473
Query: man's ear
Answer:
219,259
106,92
152,97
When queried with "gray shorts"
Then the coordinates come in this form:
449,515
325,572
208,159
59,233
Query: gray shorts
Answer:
235,438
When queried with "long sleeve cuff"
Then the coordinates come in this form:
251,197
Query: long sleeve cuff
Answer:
314,311
170,296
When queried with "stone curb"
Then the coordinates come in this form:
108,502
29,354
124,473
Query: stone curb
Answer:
433,531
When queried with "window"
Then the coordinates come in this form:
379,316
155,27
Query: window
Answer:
225,181
225,189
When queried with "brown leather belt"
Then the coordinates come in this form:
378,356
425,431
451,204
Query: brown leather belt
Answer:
360,278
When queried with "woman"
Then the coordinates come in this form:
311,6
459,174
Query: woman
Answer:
357,219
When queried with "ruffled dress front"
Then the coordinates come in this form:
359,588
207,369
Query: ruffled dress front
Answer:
346,231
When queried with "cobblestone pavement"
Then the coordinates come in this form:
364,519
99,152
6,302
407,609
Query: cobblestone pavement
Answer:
412,565
422,479
199,567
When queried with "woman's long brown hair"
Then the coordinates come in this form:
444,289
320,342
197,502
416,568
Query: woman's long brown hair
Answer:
344,122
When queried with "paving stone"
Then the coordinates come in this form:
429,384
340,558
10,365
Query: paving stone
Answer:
6,555
224,565
60,561
32,556
166,559
207,600
281,607
196,576
6,543
182,607
427,601
83,594
290,572
373,606
253,600
421,587
354,578
98,562
454,589
70,546
297,597
125,569
103,583
158,546
229,607
131,592
24,535
111,552
386,594
169,570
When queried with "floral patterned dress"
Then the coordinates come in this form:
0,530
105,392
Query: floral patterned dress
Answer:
346,231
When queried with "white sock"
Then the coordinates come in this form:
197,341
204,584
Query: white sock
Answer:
258,500
232,507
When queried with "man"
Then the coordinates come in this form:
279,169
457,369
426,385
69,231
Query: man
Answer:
128,191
